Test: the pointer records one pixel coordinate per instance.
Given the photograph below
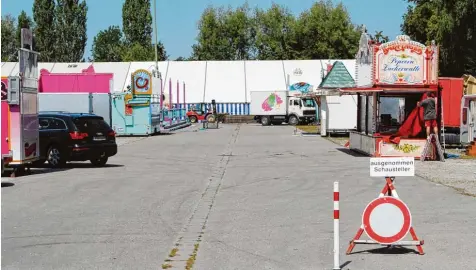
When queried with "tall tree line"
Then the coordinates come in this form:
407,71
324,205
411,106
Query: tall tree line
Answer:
452,24
134,42
324,30
59,28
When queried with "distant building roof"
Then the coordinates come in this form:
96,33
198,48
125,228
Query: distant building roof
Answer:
337,77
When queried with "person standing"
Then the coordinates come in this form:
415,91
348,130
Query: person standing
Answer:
429,114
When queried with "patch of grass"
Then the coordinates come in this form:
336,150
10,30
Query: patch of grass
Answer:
309,128
173,252
192,258
166,266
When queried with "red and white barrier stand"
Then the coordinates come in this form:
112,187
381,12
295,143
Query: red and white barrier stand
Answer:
387,219
336,226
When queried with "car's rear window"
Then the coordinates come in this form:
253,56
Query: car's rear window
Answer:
90,124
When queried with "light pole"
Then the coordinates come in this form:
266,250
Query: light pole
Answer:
156,43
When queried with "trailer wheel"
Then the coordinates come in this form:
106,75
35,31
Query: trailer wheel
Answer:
193,119
293,120
265,121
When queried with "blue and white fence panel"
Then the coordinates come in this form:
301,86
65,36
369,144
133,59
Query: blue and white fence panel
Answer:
230,108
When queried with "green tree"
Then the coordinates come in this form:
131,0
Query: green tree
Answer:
275,33
108,45
239,31
379,37
452,25
180,58
24,21
137,22
326,31
45,34
70,27
212,43
9,39
225,34
139,52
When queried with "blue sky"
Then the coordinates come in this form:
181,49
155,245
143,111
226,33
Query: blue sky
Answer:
177,19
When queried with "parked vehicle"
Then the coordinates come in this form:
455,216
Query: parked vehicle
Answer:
200,113
75,137
451,95
468,119
276,107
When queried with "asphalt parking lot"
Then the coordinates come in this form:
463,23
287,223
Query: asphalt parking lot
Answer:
240,197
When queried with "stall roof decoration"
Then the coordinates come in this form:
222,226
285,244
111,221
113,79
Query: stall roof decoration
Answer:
337,77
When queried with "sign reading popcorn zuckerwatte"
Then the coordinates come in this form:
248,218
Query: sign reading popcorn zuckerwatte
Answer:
405,62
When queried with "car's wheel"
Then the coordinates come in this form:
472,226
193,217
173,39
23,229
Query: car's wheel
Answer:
293,120
193,119
99,162
265,121
55,157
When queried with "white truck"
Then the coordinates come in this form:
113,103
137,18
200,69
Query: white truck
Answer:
276,107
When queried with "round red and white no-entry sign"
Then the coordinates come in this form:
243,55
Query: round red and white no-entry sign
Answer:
387,220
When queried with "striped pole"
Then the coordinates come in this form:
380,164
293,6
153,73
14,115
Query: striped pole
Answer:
178,100
184,103
170,102
336,226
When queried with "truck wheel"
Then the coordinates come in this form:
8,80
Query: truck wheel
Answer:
265,121
293,120
193,119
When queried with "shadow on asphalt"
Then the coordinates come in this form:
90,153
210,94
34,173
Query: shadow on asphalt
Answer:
350,152
395,250
42,169
345,264
7,184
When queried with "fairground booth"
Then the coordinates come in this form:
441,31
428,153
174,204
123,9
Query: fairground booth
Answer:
391,78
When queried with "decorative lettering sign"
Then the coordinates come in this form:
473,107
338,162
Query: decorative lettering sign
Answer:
405,62
141,83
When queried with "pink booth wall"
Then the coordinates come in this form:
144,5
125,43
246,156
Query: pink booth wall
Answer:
88,81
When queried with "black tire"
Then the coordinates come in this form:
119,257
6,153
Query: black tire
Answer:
99,162
265,121
293,120
55,156
211,118
193,119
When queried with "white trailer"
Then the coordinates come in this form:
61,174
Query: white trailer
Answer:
338,113
276,107
468,119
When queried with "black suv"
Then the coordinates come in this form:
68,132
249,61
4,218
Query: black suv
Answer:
75,137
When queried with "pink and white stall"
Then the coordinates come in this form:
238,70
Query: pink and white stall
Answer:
20,134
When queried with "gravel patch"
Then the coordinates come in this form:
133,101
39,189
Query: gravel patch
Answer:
459,174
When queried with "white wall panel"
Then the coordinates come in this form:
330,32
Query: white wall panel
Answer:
69,67
264,76
225,81
193,74
8,68
119,69
308,71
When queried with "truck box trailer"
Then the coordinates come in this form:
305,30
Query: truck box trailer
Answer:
276,107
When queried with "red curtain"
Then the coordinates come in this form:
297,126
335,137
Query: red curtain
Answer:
411,127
